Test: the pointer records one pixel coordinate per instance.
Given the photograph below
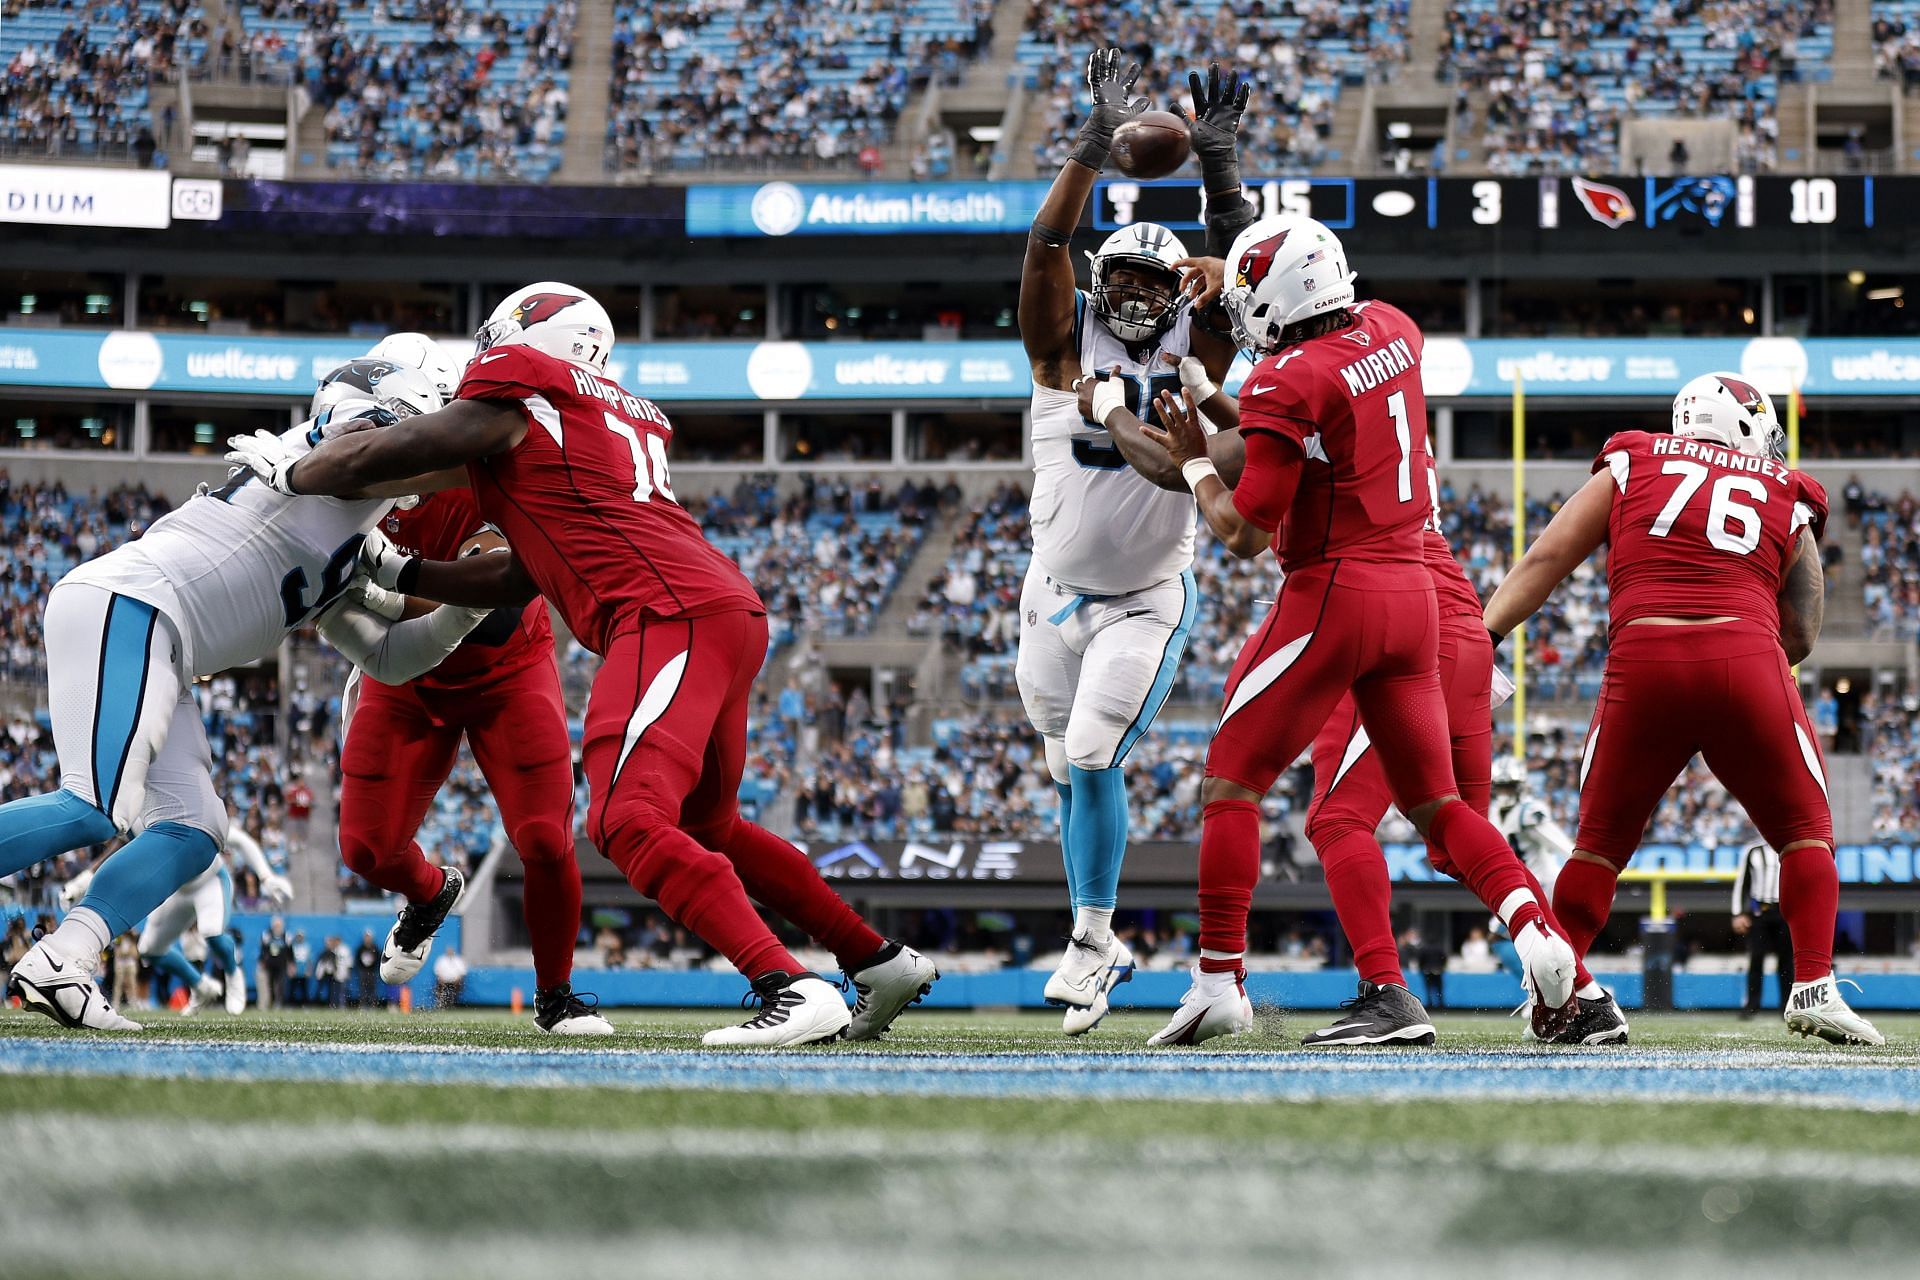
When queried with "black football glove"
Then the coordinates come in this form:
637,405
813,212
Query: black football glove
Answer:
1113,106
1217,106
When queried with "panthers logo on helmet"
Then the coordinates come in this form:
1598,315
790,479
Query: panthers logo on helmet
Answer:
542,306
1746,393
1257,261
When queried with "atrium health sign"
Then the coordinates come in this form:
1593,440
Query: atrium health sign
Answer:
786,208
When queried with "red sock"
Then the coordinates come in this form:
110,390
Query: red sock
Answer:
1486,863
698,888
1229,868
1809,899
781,879
1580,975
551,903
1582,901
405,871
1362,898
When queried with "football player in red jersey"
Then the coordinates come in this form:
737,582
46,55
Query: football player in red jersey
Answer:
1327,419
501,691
572,470
1714,570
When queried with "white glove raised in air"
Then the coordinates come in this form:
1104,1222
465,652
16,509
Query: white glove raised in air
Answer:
277,888
1502,687
381,561
267,455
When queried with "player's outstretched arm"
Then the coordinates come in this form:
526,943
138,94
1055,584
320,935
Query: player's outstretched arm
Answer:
1226,449
1217,106
1803,600
494,580
1571,536
1046,276
452,437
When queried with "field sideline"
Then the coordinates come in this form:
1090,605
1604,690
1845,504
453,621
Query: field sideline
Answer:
307,1144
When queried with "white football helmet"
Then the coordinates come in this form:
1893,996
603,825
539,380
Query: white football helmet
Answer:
405,390
1509,773
555,318
1130,312
1281,271
1728,410
418,351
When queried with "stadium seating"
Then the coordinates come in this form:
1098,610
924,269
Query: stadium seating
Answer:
431,88
772,82
1896,41
1301,57
1559,79
76,76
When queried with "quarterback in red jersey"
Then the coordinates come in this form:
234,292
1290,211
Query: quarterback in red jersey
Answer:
501,691
1714,569
1333,421
572,470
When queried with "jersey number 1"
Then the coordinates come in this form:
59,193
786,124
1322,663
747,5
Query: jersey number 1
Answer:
649,462
1403,435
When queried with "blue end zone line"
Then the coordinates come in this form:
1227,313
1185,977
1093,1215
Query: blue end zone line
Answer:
1843,1081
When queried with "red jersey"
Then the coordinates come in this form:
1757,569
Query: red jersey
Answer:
1350,401
436,530
586,502
1453,592
1698,530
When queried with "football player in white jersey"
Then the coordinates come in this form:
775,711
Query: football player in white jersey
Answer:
214,584
206,902
1109,596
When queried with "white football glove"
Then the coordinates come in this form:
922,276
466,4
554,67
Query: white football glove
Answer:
267,455
381,561
376,599
1502,687
277,888
1193,376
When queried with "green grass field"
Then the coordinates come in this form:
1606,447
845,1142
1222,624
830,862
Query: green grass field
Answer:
112,1174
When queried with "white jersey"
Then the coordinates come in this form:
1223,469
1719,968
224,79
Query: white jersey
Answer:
1528,825
238,567
1099,526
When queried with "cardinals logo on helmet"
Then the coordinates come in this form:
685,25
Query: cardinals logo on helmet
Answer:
1746,393
1604,203
542,306
1257,261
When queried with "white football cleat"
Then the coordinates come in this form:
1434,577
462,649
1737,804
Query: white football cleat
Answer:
63,988
204,993
1817,1009
236,993
1086,977
1549,967
897,978
405,951
561,1012
1215,1005
795,1009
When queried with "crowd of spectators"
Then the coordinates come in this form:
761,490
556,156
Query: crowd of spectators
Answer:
1298,55
84,87
1560,75
1896,41
1889,530
776,83
430,88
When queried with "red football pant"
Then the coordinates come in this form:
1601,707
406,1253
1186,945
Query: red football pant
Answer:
1371,629
401,744
666,743
1722,690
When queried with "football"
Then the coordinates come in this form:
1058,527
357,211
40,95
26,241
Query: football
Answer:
1151,145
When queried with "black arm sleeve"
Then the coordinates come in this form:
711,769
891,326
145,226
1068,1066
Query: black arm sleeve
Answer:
1226,219
495,629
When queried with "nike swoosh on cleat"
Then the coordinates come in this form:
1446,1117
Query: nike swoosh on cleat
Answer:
1345,1026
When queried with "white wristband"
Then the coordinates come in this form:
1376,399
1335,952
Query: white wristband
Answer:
1108,398
1194,469
1204,392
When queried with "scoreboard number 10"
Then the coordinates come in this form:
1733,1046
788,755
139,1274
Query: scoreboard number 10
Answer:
1814,200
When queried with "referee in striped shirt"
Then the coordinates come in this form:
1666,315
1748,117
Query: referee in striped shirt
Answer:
1756,913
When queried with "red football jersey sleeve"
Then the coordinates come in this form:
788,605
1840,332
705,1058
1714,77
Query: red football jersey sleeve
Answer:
436,530
1698,530
1351,402
586,500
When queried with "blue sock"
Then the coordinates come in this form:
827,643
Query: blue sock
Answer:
1066,843
146,871
1098,838
176,966
221,946
42,827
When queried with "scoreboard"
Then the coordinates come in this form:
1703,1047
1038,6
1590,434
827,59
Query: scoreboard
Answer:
1628,206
